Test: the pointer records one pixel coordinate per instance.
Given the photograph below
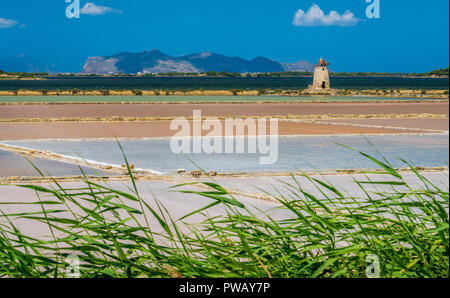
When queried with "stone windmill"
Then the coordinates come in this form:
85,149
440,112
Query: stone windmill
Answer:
321,82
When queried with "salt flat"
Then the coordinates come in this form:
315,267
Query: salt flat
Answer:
218,109
294,153
151,129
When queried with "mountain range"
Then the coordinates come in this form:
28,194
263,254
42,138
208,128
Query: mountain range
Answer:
155,61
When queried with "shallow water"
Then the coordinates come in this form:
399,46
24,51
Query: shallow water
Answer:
219,83
295,153
12,164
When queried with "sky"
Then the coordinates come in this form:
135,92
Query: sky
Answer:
408,36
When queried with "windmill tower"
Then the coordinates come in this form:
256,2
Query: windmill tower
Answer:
321,77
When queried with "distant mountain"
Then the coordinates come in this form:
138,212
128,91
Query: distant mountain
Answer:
155,61
22,64
298,66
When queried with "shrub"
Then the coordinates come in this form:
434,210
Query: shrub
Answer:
262,91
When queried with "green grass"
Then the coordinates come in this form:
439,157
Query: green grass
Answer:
330,236
163,98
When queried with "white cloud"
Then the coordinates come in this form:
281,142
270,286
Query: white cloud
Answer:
96,10
5,23
316,17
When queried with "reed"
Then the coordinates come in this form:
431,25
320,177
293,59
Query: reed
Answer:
113,232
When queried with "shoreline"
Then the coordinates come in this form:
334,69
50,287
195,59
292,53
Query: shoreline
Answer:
441,133
380,101
188,177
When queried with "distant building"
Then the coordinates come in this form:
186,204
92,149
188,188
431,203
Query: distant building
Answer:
321,81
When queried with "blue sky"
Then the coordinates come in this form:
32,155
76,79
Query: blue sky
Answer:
409,36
